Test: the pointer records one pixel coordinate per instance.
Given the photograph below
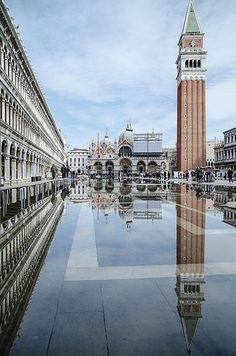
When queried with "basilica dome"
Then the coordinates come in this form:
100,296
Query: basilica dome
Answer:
127,136
106,141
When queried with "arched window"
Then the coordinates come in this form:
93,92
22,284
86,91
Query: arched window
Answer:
1,53
199,63
195,64
186,64
5,59
125,151
191,63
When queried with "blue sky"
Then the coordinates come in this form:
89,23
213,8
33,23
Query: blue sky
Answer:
103,62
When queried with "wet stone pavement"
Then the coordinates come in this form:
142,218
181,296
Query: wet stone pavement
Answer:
131,270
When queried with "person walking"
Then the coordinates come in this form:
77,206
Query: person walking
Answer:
53,171
230,175
63,171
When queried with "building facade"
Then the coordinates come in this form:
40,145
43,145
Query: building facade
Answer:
225,153
210,153
77,160
29,138
131,154
191,110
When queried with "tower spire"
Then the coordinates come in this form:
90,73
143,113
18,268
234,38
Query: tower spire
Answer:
191,23
191,113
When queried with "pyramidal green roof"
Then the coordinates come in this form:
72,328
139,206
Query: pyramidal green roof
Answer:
189,328
191,24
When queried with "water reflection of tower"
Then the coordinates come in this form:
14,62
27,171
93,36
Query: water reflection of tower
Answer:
190,260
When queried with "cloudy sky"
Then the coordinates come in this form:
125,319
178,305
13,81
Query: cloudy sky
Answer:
103,62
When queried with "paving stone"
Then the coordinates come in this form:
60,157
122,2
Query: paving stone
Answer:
78,334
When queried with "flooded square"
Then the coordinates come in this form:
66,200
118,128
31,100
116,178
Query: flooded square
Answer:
105,268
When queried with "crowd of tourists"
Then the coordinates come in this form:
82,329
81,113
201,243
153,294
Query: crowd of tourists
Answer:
208,175
198,175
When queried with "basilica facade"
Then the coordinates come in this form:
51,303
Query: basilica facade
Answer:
131,154
29,138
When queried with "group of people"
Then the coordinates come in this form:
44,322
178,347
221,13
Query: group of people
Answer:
208,175
65,170
230,175
200,175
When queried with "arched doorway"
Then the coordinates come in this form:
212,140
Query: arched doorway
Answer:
141,187
98,185
152,188
152,167
125,190
141,167
22,164
126,166
98,167
27,165
12,161
3,155
18,163
109,186
109,168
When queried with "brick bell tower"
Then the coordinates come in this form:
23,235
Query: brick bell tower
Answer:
191,101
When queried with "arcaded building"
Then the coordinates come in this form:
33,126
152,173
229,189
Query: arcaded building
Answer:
29,138
225,153
191,102
77,160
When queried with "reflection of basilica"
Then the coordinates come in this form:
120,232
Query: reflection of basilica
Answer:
190,260
25,239
132,202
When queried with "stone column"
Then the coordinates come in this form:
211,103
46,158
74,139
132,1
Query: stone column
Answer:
24,169
18,169
30,170
10,116
3,113
6,64
10,69
13,169
13,76
7,169
2,57
14,119
7,113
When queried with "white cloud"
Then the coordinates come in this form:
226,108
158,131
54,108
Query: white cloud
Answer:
104,62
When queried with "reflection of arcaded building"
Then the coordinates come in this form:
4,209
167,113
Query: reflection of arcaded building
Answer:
190,260
24,241
230,215
79,192
222,198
